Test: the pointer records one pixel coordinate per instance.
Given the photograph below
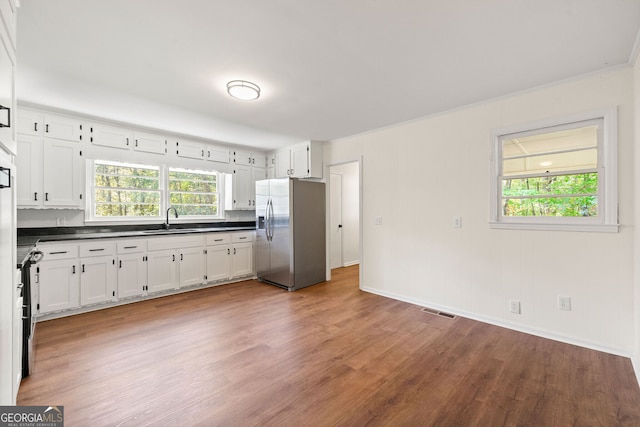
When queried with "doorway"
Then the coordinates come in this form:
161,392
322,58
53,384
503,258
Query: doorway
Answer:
344,221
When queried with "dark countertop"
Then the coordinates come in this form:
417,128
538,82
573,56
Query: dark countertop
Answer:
29,237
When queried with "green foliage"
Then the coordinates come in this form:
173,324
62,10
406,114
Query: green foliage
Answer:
571,195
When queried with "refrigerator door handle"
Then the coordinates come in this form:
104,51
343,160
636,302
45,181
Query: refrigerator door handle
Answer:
266,220
270,208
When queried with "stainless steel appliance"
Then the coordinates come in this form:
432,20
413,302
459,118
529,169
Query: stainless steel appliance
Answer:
290,232
28,313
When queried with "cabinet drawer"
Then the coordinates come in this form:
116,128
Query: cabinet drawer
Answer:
131,246
54,252
242,237
175,242
218,239
98,248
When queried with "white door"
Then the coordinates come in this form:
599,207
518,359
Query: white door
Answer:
218,262
191,266
241,259
335,221
59,285
190,149
150,143
110,136
132,275
62,127
29,171
161,270
97,280
61,170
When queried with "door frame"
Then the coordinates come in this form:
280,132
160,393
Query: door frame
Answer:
327,174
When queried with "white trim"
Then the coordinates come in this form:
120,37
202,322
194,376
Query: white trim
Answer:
598,228
633,57
607,221
502,323
636,367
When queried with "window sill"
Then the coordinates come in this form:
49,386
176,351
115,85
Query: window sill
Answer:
592,228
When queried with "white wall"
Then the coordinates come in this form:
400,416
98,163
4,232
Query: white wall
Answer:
350,173
419,175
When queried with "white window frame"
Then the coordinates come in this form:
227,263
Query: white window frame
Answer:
90,216
90,210
219,193
607,219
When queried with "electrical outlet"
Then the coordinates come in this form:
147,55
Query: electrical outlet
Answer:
564,303
457,222
378,220
514,306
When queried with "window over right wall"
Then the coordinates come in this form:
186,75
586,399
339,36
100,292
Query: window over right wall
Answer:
556,175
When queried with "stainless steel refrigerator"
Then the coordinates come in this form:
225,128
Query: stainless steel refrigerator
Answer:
290,232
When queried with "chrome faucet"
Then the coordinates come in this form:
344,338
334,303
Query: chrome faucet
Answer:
166,224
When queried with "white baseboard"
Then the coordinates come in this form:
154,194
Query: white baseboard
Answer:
636,367
350,263
508,325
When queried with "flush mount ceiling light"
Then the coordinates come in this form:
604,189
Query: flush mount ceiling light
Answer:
243,90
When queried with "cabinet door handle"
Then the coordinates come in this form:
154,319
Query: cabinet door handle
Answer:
46,128
174,258
228,251
218,240
73,270
181,257
35,126
58,252
208,154
83,268
120,264
234,251
242,238
202,153
46,197
130,247
35,197
96,250
127,141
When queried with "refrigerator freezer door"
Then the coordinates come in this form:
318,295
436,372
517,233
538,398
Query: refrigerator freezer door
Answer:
263,260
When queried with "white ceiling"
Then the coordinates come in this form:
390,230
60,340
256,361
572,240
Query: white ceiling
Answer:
327,69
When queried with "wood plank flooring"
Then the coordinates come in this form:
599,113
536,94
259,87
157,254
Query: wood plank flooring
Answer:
329,355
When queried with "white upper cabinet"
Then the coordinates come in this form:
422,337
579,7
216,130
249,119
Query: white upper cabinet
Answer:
62,127
217,154
150,143
242,157
49,173
303,160
54,126
62,174
29,171
190,149
110,136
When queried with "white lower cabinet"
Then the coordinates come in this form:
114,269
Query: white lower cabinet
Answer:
58,278
161,270
175,262
97,280
103,271
98,276
229,255
59,283
132,268
242,259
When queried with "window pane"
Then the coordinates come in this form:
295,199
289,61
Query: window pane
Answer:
553,162
122,190
194,193
579,184
562,140
553,206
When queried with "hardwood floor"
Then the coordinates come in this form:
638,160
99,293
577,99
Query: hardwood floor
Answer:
251,354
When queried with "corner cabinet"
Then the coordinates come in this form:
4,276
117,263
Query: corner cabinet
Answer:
302,160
